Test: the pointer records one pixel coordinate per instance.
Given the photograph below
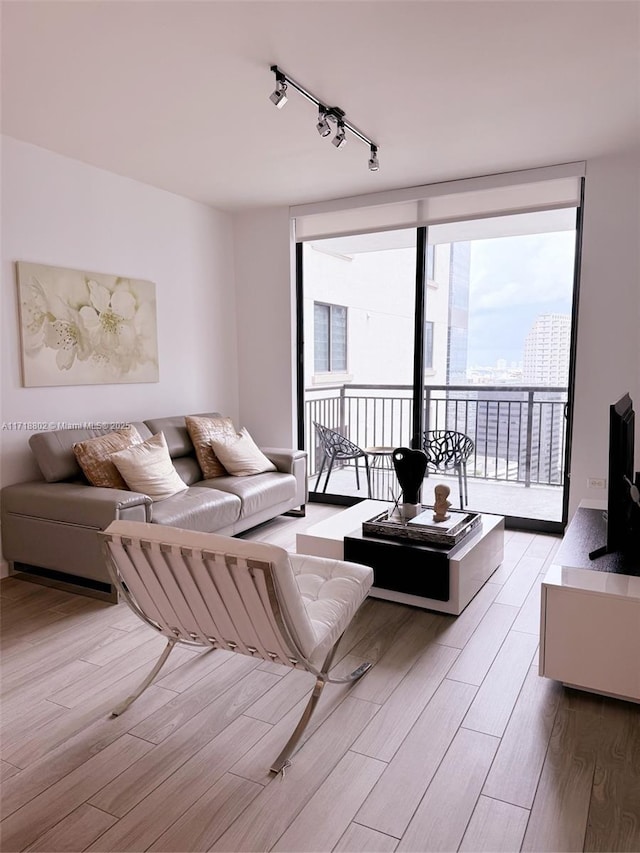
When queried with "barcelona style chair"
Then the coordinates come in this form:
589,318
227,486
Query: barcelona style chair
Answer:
334,447
207,590
448,450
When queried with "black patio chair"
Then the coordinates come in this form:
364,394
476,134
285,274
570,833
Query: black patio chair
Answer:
448,450
334,447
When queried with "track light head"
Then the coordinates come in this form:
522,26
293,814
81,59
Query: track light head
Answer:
279,96
340,138
323,127
374,165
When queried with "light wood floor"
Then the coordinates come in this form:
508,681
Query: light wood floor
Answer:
451,741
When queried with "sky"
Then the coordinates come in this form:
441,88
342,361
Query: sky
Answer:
512,281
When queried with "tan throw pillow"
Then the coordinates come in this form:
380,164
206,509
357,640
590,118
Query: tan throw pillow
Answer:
93,456
241,456
202,432
147,468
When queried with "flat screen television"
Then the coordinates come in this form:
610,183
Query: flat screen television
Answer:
622,492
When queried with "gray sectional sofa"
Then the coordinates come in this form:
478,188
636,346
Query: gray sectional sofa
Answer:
49,527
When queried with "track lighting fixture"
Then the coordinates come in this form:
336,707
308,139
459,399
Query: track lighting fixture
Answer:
279,96
340,138
326,115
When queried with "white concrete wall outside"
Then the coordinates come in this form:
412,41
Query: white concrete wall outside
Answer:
378,289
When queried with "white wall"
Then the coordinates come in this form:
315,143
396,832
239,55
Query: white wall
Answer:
608,353
266,317
62,212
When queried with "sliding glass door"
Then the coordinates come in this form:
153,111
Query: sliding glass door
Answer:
359,309
461,328
506,383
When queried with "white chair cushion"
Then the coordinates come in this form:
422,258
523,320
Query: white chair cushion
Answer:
332,591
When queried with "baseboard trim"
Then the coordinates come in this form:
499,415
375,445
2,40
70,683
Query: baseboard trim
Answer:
68,583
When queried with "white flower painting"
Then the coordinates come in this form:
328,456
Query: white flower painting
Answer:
85,328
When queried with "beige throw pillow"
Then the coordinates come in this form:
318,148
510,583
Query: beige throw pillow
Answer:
93,456
241,456
147,468
202,432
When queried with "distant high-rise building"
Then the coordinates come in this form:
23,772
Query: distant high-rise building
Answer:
510,430
459,280
546,350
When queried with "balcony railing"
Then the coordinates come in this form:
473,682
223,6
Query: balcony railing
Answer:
519,432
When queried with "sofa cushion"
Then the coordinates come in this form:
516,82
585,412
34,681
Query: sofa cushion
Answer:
147,468
188,468
202,509
94,454
241,456
175,432
74,505
258,492
54,450
204,430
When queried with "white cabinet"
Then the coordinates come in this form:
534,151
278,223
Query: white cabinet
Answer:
590,624
590,637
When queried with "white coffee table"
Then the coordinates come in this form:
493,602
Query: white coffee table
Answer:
471,563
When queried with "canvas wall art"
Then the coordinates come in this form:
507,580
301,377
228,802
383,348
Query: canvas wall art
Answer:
86,328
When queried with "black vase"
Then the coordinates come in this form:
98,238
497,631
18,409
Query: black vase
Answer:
410,466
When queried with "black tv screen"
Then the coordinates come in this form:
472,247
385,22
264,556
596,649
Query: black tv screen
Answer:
621,477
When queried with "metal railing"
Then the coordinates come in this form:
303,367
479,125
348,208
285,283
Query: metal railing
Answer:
519,432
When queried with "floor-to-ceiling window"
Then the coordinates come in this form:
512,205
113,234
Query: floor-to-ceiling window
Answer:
487,302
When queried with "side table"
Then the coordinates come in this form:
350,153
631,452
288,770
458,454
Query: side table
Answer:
384,484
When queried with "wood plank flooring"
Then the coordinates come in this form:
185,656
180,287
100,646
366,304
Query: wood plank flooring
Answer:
451,742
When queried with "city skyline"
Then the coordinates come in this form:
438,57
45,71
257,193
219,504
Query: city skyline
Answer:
513,280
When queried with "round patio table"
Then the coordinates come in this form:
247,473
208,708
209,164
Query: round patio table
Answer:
384,483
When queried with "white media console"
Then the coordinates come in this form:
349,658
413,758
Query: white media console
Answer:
590,614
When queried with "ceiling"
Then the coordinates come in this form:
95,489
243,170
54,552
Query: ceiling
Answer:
176,94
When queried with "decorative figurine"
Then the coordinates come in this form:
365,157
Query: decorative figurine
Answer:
441,504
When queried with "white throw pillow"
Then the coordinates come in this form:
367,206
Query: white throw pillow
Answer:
147,468
241,456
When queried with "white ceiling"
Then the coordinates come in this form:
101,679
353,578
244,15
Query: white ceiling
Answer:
175,94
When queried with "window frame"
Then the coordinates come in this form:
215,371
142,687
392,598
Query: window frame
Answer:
330,337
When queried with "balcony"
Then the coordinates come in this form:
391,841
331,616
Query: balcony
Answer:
519,435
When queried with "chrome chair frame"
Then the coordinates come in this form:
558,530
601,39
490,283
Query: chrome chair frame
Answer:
286,649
